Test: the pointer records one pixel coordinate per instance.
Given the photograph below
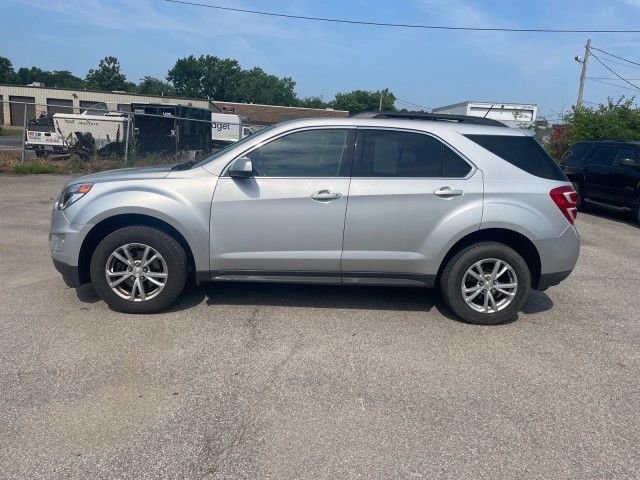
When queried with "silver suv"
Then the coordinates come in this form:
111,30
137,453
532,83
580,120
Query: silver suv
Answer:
462,203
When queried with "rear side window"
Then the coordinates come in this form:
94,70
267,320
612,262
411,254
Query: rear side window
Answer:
522,152
576,153
390,153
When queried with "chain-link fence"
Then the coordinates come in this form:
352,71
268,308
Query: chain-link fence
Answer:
136,134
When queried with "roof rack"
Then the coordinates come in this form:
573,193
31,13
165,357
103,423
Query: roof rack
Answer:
436,117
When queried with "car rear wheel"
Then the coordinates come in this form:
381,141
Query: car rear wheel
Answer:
139,269
486,283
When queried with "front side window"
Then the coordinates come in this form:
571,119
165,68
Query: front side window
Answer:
389,153
309,153
623,153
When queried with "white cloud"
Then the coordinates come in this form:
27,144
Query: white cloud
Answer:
154,16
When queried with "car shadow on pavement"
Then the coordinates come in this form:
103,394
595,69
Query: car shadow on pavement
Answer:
320,296
608,214
537,302
191,297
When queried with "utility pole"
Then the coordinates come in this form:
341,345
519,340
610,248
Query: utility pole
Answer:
380,107
583,74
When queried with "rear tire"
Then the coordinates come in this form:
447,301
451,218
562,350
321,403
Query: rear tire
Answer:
478,292
139,269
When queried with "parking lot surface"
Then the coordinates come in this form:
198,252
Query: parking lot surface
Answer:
281,381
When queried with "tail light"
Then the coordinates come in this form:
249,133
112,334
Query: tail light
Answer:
566,199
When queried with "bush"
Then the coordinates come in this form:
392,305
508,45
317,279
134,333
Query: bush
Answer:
619,119
26,168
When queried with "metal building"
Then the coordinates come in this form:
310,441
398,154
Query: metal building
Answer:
64,100
518,115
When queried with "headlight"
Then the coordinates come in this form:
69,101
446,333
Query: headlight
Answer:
72,194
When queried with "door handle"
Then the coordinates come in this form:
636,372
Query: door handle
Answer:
446,192
324,195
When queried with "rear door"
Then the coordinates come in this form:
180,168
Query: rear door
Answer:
406,187
286,221
597,172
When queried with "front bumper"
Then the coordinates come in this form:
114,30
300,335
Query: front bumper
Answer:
65,241
70,273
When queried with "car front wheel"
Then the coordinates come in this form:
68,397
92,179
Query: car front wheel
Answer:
486,283
139,269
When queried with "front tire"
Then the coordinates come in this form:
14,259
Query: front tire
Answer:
139,269
486,283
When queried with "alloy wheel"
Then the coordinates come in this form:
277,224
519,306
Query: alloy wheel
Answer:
136,272
489,285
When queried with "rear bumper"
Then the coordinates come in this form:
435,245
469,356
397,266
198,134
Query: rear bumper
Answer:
558,257
69,273
550,279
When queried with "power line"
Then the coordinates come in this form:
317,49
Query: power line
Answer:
616,56
626,65
397,25
612,84
412,104
613,71
611,78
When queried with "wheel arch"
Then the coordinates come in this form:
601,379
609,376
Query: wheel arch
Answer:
511,238
116,222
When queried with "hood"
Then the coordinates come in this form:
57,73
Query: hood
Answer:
138,173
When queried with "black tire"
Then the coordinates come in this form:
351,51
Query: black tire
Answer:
172,252
456,268
638,212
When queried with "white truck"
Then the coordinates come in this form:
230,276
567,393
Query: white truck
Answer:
228,128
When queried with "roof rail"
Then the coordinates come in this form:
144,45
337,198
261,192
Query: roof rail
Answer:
436,117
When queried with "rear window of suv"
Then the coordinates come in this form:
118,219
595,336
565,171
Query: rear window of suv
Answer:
522,152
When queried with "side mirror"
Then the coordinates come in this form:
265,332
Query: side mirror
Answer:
241,168
629,162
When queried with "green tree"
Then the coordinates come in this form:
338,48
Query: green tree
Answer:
108,76
57,78
7,74
206,76
359,101
313,102
155,86
613,119
65,79
257,86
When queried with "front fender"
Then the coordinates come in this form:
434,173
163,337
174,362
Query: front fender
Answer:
185,204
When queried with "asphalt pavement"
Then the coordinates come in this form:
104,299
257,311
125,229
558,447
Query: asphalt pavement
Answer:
281,381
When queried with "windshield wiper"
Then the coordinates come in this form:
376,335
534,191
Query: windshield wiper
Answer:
184,165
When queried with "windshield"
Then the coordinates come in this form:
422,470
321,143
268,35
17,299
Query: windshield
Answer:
231,146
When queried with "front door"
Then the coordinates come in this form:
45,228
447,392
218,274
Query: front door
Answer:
623,179
287,220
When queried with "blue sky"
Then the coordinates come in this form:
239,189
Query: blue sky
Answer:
430,68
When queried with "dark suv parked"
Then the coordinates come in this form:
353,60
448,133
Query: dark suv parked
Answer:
605,172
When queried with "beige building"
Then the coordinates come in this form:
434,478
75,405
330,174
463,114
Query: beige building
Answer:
41,99
45,99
